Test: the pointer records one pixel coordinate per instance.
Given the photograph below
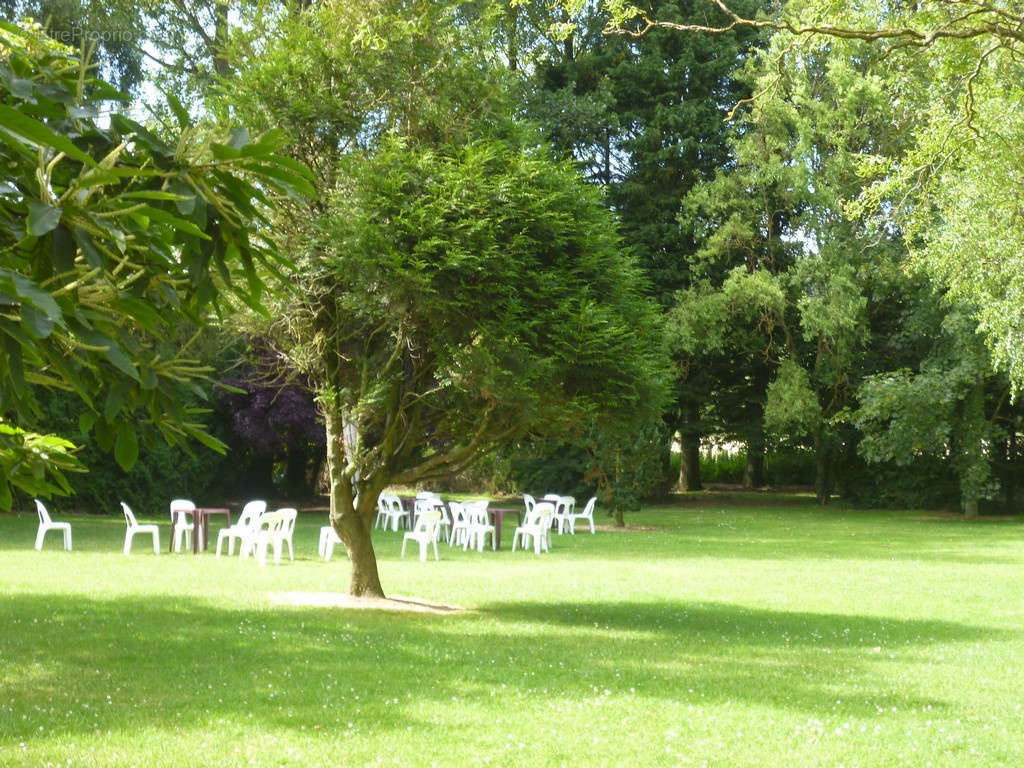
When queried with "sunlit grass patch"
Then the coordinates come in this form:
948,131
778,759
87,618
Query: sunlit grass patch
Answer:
754,636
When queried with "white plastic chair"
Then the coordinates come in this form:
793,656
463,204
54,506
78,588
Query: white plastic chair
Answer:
479,527
427,501
587,514
243,529
381,513
536,526
328,538
290,515
427,525
528,502
181,525
390,511
459,533
46,524
564,508
134,527
268,533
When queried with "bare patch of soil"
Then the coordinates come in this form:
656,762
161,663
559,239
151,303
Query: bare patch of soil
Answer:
625,529
339,600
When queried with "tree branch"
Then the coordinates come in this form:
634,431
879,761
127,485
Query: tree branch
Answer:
991,22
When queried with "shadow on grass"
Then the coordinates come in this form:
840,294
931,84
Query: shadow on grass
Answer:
75,664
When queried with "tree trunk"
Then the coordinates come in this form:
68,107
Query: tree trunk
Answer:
513,29
619,518
689,464
689,442
221,65
352,523
824,476
753,472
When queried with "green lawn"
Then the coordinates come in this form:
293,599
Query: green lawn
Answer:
721,635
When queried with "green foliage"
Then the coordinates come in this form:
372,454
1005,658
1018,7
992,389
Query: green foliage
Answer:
110,236
161,472
36,464
938,411
791,405
548,468
482,292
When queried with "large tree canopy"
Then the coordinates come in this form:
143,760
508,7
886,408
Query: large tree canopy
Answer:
110,238
454,299
954,73
459,288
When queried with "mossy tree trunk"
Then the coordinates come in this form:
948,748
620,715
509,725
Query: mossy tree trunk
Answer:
351,517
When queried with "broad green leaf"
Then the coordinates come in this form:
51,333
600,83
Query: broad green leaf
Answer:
86,419
180,113
20,126
28,291
42,218
37,324
114,352
126,446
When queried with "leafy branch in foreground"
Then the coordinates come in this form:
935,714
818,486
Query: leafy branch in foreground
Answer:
113,239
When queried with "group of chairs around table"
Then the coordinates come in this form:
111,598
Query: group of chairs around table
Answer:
467,523
552,511
256,530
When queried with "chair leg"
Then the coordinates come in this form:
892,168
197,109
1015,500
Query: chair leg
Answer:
156,542
128,542
67,538
404,542
423,550
435,551
40,535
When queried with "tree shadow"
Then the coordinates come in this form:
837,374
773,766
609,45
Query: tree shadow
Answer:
79,664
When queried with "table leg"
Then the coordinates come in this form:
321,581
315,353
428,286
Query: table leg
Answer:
195,533
496,521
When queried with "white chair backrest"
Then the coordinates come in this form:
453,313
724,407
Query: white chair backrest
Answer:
394,502
426,503
288,516
251,513
529,501
44,516
476,512
458,510
427,523
271,522
543,511
179,509
589,509
129,516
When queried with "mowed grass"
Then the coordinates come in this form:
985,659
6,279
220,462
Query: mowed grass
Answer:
721,635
